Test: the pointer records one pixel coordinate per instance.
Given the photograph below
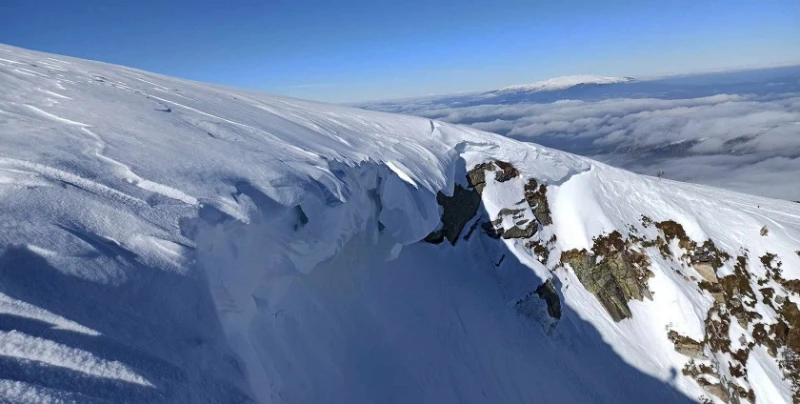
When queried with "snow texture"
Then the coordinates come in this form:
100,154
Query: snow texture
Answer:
167,241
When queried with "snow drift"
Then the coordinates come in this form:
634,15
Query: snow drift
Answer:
169,241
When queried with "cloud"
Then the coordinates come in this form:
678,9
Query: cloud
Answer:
744,142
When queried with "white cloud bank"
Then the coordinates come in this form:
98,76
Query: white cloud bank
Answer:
746,143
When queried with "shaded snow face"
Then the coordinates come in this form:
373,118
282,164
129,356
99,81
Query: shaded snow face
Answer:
739,131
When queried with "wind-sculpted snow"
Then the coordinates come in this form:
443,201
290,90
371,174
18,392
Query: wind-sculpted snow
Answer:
170,241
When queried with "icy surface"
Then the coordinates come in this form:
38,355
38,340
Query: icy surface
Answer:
169,241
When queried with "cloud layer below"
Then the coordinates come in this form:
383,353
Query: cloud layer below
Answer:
745,142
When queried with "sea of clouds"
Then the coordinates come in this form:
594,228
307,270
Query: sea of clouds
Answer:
748,142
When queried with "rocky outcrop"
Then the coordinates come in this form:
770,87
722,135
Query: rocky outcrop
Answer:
507,171
521,229
476,178
687,346
536,196
502,172
547,292
614,273
542,305
616,270
458,210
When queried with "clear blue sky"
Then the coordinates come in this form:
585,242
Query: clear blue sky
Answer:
349,50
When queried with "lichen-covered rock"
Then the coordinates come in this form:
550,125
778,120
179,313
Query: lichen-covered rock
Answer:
521,232
507,171
620,276
717,390
536,196
687,346
477,176
706,271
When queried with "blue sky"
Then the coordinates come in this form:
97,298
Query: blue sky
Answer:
353,50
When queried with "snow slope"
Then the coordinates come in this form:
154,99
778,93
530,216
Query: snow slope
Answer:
163,240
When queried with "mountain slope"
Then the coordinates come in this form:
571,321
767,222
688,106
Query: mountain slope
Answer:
169,241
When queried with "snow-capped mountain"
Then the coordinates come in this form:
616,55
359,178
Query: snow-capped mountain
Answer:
565,82
166,241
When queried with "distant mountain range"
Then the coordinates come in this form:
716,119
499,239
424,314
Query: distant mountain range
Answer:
565,82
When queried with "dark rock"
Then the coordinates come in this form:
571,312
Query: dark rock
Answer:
521,232
507,172
436,237
491,229
547,292
458,210
536,196
476,178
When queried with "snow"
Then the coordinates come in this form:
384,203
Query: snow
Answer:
564,82
216,245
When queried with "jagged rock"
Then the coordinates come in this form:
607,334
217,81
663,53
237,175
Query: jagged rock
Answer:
520,232
792,285
717,390
536,196
507,171
491,229
790,315
477,176
599,280
539,249
706,271
547,292
692,350
458,210
687,346
615,279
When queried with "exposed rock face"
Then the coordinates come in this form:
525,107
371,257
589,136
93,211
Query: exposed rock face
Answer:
687,346
717,390
621,274
521,232
542,305
536,196
477,176
507,171
547,292
705,262
616,270
502,172
458,210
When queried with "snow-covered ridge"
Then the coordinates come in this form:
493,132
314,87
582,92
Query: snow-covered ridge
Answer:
170,241
565,82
